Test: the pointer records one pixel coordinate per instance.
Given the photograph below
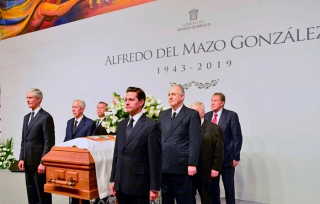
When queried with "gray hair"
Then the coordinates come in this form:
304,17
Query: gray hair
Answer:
36,93
180,87
81,103
198,103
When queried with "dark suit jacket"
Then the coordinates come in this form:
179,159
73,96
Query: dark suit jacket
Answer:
137,159
86,127
231,130
37,140
100,130
181,140
211,154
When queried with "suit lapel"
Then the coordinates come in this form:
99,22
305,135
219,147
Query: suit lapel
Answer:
167,121
96,125
36,117
70,127
140,123
82,122
25,124
222,117
122,131
175,123
204,127
99,123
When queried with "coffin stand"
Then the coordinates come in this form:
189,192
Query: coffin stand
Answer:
70,171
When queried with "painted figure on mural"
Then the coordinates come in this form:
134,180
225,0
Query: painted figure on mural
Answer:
30,15
24,16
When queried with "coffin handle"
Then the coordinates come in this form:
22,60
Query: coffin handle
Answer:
69,182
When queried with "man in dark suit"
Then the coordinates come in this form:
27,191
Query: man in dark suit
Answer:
228,121
211,156
37,139
136,169
79,126
181,140
102,107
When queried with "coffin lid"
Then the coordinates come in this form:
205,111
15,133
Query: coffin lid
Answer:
68,155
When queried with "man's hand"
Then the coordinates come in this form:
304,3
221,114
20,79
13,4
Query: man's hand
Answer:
21,165
153,195
214,173
112,189
192,170
235,163
41,169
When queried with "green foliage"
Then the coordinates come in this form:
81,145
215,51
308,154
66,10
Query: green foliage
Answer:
6,154
117,111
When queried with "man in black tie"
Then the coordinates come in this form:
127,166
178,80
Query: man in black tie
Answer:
136,169
37,139
181,141
79,126
102,107
211,156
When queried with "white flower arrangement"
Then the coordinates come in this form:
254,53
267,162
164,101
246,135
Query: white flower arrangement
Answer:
6,154
117,111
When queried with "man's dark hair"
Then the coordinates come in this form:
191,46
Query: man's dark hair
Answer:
140,93
222,96
101,102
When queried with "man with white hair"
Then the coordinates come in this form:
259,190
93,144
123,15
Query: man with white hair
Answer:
181,142
38,137
211,156
79,126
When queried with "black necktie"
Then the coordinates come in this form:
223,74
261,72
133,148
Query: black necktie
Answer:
173,116
98,122
129,127
75,126
32,114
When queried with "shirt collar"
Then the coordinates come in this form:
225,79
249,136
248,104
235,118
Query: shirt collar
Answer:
136,117
219,112
177,111
100,119
79,119
36,111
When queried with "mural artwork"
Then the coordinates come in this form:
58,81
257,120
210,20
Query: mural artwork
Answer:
18,17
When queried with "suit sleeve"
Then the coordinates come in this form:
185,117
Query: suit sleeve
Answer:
159,120
218,149
194,139
21,157
66,137
114,160
237,136
48,133
155,151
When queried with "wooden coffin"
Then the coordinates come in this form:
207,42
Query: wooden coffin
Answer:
70,171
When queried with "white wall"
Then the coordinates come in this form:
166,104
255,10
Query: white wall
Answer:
273,88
